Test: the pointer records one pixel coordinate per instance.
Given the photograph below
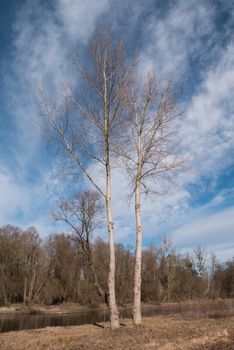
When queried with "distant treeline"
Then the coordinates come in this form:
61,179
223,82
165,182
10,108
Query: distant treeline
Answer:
57,270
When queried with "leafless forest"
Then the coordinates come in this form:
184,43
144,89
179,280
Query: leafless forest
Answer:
58,269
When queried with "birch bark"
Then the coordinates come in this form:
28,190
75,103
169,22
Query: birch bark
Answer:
137,319
114,314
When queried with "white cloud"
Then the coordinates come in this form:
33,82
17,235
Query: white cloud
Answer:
207,130
176,37
214,232
222,197
26,204
78,17
45,226
13,198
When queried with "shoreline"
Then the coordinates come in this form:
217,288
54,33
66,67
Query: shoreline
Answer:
204,305
61,309
197,308
167,333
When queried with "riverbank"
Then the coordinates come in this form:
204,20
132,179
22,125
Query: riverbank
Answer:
160,332
195,307
60,309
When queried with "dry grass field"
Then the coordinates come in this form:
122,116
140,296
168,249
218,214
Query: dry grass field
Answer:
160,332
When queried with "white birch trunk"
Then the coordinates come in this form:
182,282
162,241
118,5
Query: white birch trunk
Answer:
137,319
114,314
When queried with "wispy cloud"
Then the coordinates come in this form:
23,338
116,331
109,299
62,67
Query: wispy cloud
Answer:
79,17
213,231
11,199
177,36
207,130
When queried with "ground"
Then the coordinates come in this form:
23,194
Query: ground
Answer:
159,332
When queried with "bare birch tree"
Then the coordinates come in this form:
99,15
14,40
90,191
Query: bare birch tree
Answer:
88,122
146,152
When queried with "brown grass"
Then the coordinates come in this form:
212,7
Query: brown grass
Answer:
162,333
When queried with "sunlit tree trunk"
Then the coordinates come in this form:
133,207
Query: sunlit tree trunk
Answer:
114,314
137,319
137,273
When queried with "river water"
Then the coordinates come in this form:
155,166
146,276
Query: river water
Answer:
16,322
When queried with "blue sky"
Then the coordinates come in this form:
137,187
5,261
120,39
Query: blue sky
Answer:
192,41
